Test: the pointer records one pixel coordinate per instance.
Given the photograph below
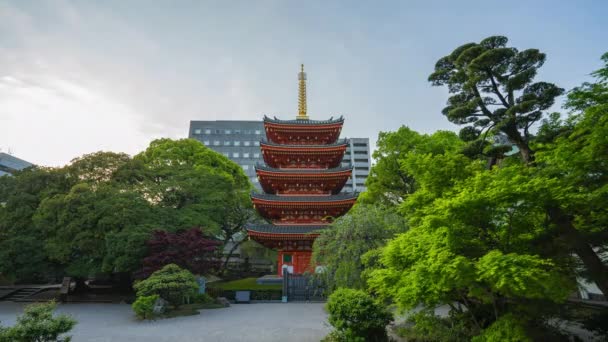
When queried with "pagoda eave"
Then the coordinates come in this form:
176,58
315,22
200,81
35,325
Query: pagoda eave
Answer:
290,237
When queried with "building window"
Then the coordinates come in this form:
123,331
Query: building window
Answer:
256,155
226,143
206,142
362,168
228,131
235,155
237,143
361,160
216,143
245,155
207,131
197,131
256,143
218,131
245,167
360,152
237,131
359,144
360,184
226,154
247,143
258,132
255,180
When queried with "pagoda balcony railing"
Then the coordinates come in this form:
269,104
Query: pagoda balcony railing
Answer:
264,167
305,198
340,142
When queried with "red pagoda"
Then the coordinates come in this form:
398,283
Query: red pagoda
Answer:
302,180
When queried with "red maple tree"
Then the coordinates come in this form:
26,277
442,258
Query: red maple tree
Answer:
189,249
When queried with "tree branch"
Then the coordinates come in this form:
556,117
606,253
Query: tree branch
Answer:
482,105
496,91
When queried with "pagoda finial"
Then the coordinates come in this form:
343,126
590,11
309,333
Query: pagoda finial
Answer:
302,95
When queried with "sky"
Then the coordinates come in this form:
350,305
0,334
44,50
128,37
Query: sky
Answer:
83,76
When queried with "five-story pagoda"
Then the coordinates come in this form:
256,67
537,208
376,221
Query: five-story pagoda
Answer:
302,180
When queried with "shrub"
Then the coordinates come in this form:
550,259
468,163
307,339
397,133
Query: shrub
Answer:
171,283
144,306
425,326
507,328
203,298
38,324
356,316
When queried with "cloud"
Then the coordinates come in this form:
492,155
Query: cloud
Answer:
72,72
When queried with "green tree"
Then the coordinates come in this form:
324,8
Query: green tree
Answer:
341,248
22,255
590,94
37,324
357,317
388,183
78,222
577,157
490,75
196,186
171,283
493,90
144,306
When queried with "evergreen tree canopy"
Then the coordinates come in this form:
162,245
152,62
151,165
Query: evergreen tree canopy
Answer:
493,89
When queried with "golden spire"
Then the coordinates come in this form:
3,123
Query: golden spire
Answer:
302,95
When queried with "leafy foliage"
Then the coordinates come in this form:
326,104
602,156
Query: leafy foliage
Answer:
389,183
342,247
37,324
171,283
96,214
356,316
500,246
143,306
189,249
508,328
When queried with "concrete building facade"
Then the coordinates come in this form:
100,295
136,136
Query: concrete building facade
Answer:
240,142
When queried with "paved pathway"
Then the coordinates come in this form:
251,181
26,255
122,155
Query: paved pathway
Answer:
242,322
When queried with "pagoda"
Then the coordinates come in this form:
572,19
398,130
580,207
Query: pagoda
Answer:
301,180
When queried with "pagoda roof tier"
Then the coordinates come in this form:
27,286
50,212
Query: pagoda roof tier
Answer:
303,156
303,181
303,132
290,237
305,122
303,210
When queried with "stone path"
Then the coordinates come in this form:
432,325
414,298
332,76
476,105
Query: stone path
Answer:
242,322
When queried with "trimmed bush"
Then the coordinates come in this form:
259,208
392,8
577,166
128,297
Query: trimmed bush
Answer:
171,283
144,306
38,324
356,317
203,298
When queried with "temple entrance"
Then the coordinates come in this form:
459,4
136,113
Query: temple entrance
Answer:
303,288
295,262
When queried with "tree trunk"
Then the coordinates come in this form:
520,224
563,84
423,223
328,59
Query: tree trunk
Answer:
234,247
526,153
596,267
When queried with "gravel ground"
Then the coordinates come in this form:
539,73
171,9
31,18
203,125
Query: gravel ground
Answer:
242,322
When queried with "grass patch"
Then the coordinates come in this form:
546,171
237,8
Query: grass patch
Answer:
244,284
